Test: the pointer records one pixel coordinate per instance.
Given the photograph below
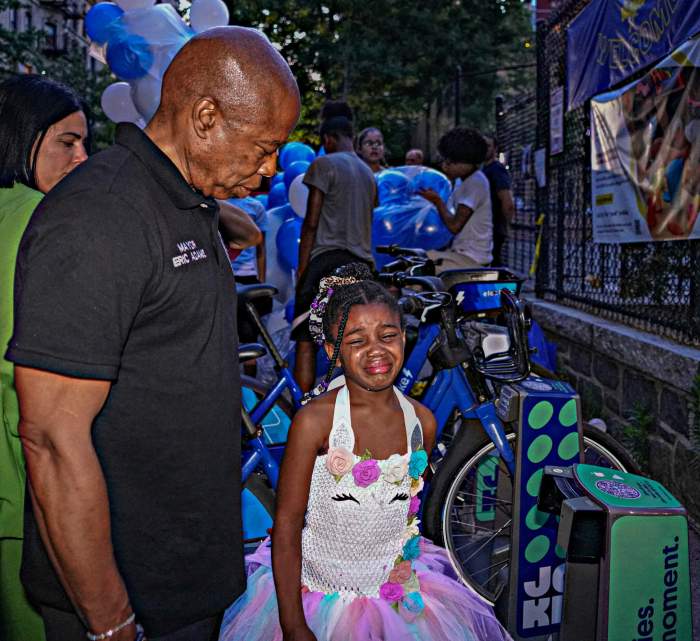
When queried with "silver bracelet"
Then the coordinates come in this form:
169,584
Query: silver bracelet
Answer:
112,631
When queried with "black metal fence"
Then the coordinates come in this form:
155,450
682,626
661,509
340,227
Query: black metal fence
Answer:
653,286
516,130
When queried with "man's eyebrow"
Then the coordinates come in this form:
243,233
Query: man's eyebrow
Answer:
70,133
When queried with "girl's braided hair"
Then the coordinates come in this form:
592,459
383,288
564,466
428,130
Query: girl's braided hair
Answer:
350,285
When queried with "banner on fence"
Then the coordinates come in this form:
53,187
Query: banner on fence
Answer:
645,154
612,39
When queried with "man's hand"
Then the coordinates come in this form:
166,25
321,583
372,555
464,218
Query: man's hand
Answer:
237,228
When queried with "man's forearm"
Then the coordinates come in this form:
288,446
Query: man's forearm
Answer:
261,261
237,228
306,244
70,502
448,219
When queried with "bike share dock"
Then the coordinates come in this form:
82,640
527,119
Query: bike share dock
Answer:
626,542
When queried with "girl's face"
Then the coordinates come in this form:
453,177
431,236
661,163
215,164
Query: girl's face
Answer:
371,352
372,147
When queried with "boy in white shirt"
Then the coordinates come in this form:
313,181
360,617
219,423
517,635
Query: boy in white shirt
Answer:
467,213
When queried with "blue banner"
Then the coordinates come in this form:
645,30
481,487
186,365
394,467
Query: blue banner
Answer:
611,39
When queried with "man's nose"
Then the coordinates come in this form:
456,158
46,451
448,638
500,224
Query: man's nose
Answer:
269,166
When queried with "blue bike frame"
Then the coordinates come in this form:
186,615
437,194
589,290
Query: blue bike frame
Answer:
449,390
260,454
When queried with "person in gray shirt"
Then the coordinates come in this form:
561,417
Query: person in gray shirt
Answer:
337,229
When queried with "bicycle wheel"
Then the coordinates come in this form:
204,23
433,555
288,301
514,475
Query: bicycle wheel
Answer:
477,533
257,508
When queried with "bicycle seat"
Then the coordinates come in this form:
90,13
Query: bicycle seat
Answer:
254,292
249,351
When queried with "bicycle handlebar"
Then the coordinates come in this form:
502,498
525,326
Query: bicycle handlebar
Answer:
395,250
399,279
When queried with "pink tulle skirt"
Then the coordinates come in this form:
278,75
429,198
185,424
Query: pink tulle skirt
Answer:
452,612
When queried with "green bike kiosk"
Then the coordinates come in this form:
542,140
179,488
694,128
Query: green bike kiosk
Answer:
597,554
626,544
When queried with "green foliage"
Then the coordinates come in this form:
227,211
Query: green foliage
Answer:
635,434
390,60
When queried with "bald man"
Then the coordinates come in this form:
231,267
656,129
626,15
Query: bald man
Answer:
414,157
126,356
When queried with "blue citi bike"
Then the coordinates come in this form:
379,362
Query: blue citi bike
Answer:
469,348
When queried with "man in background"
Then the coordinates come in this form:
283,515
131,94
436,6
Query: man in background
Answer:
414,157
502,204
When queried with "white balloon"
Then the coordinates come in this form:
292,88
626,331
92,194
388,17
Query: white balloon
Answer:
145,93
132,5
117,103
298,195
205,14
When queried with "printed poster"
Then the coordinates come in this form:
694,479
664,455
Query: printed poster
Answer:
645,154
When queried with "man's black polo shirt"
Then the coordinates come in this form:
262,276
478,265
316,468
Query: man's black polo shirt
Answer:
121,275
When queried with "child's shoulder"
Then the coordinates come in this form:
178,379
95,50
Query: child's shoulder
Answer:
318,411
425,416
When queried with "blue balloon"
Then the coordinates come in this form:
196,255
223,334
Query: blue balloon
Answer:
295,169
295,151
430,232
277,178
432,179
262,198
129,56
321,152
392,187
287,241
99,21
277,196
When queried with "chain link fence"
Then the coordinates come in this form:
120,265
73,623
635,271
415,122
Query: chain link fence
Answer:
652,286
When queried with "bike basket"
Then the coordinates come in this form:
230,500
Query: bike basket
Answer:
479,290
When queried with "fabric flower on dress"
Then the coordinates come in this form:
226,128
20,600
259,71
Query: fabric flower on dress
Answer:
366,472
411,606
411,548
401,573
392,592
412,585
418,463
339,461
417,486
395,469
411,531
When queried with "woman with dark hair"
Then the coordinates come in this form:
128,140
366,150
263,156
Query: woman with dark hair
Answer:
370,147
43,131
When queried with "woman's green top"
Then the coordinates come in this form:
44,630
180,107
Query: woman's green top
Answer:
16,207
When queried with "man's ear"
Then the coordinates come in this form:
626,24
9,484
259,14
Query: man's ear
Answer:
204,116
